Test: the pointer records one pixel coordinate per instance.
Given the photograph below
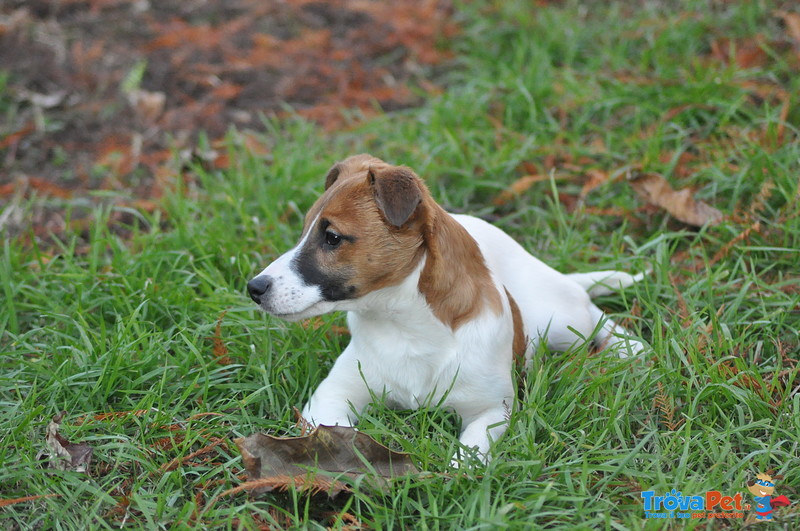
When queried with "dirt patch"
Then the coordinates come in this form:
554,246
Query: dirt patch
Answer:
98,91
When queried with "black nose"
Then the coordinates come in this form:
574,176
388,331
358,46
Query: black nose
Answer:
258,287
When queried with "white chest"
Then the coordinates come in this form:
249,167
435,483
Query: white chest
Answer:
411,364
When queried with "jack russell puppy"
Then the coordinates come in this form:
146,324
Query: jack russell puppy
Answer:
438,304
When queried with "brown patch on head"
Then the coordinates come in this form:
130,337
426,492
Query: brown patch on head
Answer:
371,251
386,221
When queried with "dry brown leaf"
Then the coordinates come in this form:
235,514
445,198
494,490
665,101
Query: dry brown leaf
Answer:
16,136
679,203
333,450
594,178
178,461
334,330
518,187
782,117
112,415
304,482
147,105
664,403
742,236
63,454
747,53
220,349
684,159
792,21
683,309
764,90
47,188
7,502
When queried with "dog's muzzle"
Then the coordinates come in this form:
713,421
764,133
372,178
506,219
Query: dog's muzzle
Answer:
258,287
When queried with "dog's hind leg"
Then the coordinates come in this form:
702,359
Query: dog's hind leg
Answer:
605,282
612,336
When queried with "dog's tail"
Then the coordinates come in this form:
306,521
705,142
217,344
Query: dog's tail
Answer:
604,282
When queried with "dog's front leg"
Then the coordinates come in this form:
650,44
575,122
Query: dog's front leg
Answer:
483,428
340,396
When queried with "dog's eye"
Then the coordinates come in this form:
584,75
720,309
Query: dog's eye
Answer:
332,239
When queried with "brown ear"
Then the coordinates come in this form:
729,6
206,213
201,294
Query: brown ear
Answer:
397,192
333,174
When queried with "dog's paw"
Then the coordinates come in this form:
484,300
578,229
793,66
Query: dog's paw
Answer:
469,457
626,347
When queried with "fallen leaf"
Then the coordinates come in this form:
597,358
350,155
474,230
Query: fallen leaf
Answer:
220,349
518,187
594,178
335,450
792,21
16,136
7,502
45,187
679,203
113,415
681,162
178,461
65,455
744,53
334,330
782,117
735,242
147,105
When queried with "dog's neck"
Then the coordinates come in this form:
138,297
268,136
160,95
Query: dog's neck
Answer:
401,306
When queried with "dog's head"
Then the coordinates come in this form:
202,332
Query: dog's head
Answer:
363,234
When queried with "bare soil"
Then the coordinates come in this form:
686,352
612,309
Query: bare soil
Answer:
99,93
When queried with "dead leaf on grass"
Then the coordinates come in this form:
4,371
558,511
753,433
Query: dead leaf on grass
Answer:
220,349
334,330
63,454
7,502
792,21
518,187
594,179
146,104
679,203
15,137
275,462
744,53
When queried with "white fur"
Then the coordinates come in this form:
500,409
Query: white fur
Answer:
553,305
401,351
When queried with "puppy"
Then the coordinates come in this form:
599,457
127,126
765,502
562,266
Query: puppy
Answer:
438,304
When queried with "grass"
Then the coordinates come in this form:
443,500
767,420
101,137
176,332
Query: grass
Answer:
98,325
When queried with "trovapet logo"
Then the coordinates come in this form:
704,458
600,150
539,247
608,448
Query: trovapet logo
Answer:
715,504
712,504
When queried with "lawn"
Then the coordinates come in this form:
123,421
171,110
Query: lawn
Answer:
146,338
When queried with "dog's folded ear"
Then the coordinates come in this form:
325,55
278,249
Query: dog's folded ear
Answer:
398,192
332,175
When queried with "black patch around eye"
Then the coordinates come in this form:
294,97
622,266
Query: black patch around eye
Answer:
333,286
